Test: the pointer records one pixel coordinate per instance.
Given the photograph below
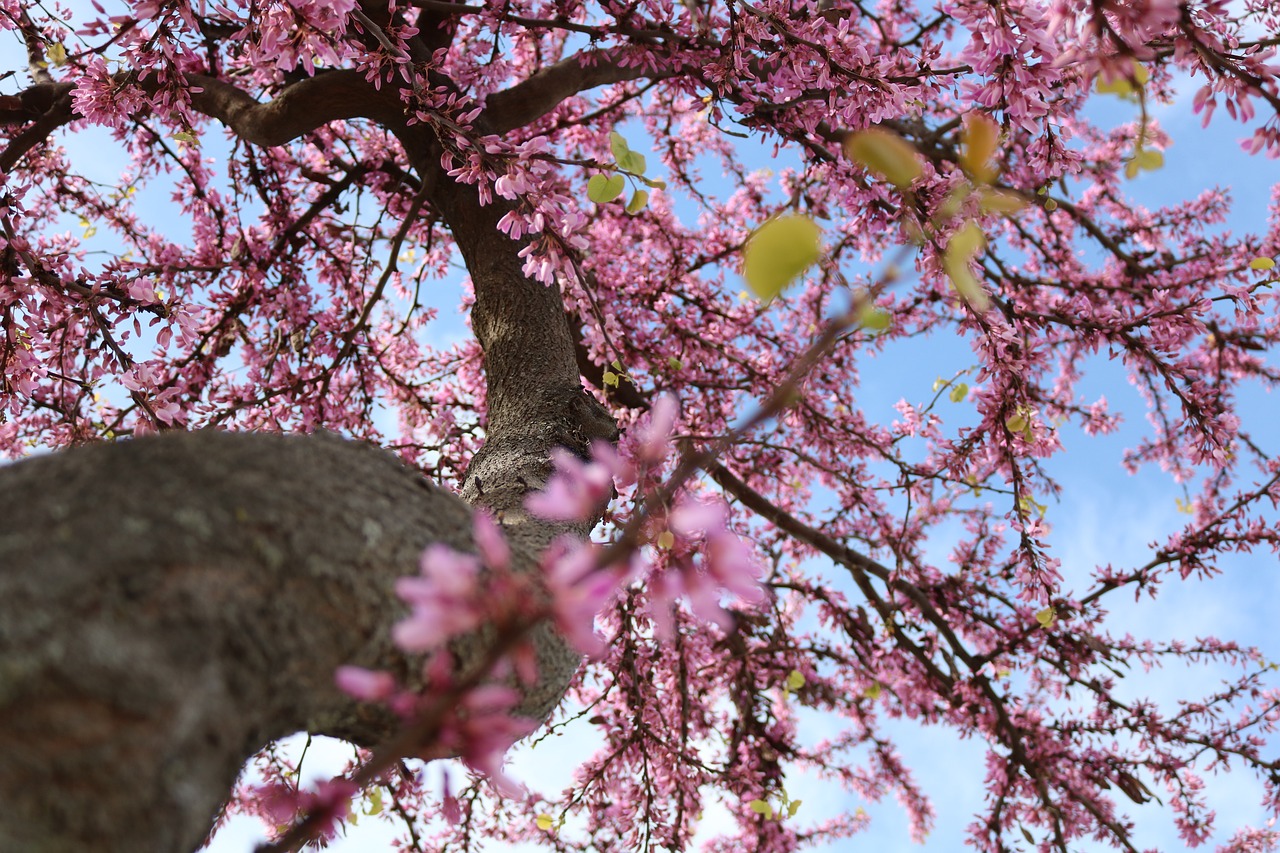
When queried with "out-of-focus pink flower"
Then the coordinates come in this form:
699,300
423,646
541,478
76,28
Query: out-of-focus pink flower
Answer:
575,492
328,803
442,599
655,436
579,591
367,685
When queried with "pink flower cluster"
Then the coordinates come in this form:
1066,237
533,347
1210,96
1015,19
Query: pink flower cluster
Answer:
328,804
694,557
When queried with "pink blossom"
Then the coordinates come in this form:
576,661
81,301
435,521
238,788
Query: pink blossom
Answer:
576,490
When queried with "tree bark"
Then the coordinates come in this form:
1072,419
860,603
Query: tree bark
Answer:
169,605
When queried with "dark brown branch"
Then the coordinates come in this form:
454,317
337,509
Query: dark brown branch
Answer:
49,106
301,108
538,95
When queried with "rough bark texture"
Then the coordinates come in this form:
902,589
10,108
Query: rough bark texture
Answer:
169,605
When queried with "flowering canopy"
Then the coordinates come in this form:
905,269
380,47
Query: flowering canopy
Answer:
317,152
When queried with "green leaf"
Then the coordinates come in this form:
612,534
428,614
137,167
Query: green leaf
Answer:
603,189
795,680
375,802
761,807
1123,85
633,162
793,808
1149,160
639,199
959,392
1016,422
999,201
544,822
674,363
610,379
1119,86
874,319
885,153
652,183
618,145
666,540
873,692
778,252
57,53
1144,160
185,136
979,138
1261,264
961,248
1047,617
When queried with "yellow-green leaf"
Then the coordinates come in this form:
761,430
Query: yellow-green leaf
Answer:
1126,85
961,248
761,807
873,319
1000,201
959,392
603,189
544,822
778,252
873,691
618,145
185,136
666,539
639,199
1143,160
652,184
633,162
795,680
1047,617
1261,264
375,802
1119,86
793,807
885,153
57,53
674,363
979,138
1017,422
967,242
610,379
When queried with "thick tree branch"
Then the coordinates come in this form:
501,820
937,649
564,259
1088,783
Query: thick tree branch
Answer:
167,607
190,584
530,99
301,108
535,398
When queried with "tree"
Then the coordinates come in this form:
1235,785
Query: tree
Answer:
172,604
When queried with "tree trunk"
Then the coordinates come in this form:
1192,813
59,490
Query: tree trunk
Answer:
171,604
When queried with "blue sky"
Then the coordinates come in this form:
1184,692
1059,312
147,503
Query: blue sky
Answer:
1105,515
